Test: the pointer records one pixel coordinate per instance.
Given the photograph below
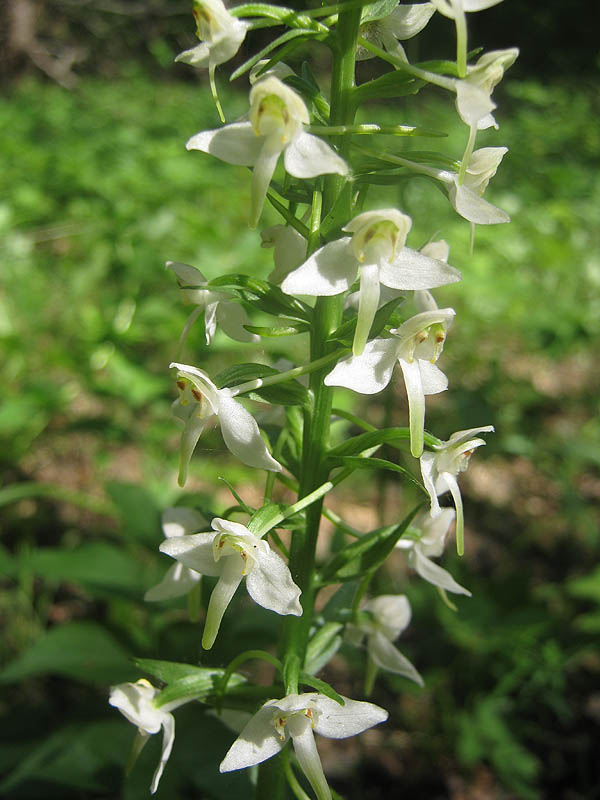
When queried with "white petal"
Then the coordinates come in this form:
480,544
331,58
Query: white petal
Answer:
413,270
328,271
181,520
178,581
232,317
229,579
270,585
197,56
194,551
168,725
308,156
242,436
459,437
474,208
368,301
432,378
472,102
134,701
388,657
189,439
368,373
264,167
340,722
210,321
307,754
433,573
256,743
234,144
406,21
479,5
416,404
429,475
392,613
439,250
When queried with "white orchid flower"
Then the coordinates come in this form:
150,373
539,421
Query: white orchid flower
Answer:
474,93
403,23
199,403
416,345
426,540
178,580
381,621
218,307
466,197
377,253
231,552
220,34
135,702
278,116
453,8
440,467
297,716
289,249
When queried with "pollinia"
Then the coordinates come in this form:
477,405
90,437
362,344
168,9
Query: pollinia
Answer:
348,282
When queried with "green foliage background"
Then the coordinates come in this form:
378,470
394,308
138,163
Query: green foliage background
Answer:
96,192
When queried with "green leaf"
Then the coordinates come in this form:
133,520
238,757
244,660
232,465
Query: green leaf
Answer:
196,686
265,296
139,513
392,84
276,331
366,554
346,330
322,687
290,392
84,651
440,67
280,40
377,10
364,441
368,462
263,517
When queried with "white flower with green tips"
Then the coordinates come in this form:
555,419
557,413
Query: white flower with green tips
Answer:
231,552
474,93
278,116
220,34
178,580
467,197
403,23
426,539
381,621
416,345
136,702
218,307
199,404
441,465
298,717
377,253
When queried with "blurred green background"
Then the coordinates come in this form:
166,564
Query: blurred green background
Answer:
96,193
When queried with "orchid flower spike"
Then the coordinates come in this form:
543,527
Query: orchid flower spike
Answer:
295,717
278,117
220,34
136,702
426,538
231,552
289,249
377,253
381,621
440,468
178,580
416,345
199,403
218,306
404,22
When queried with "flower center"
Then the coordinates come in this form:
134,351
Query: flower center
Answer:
376,242
207,24
188,392
270,114
229,544
427,344
295,721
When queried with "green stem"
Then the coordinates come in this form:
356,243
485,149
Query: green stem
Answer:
461,43
417,72
281,377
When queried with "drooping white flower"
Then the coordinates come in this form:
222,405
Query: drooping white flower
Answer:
453,8
218,307
178,580
135,702
276,125
199,403
381,621
231,552
220,34
467,197
474,93
289,249
440,466
403,23
425,539
377,253
297,716
416,345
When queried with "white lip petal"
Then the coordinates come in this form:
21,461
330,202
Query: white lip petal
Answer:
368,301
416,404
168,725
